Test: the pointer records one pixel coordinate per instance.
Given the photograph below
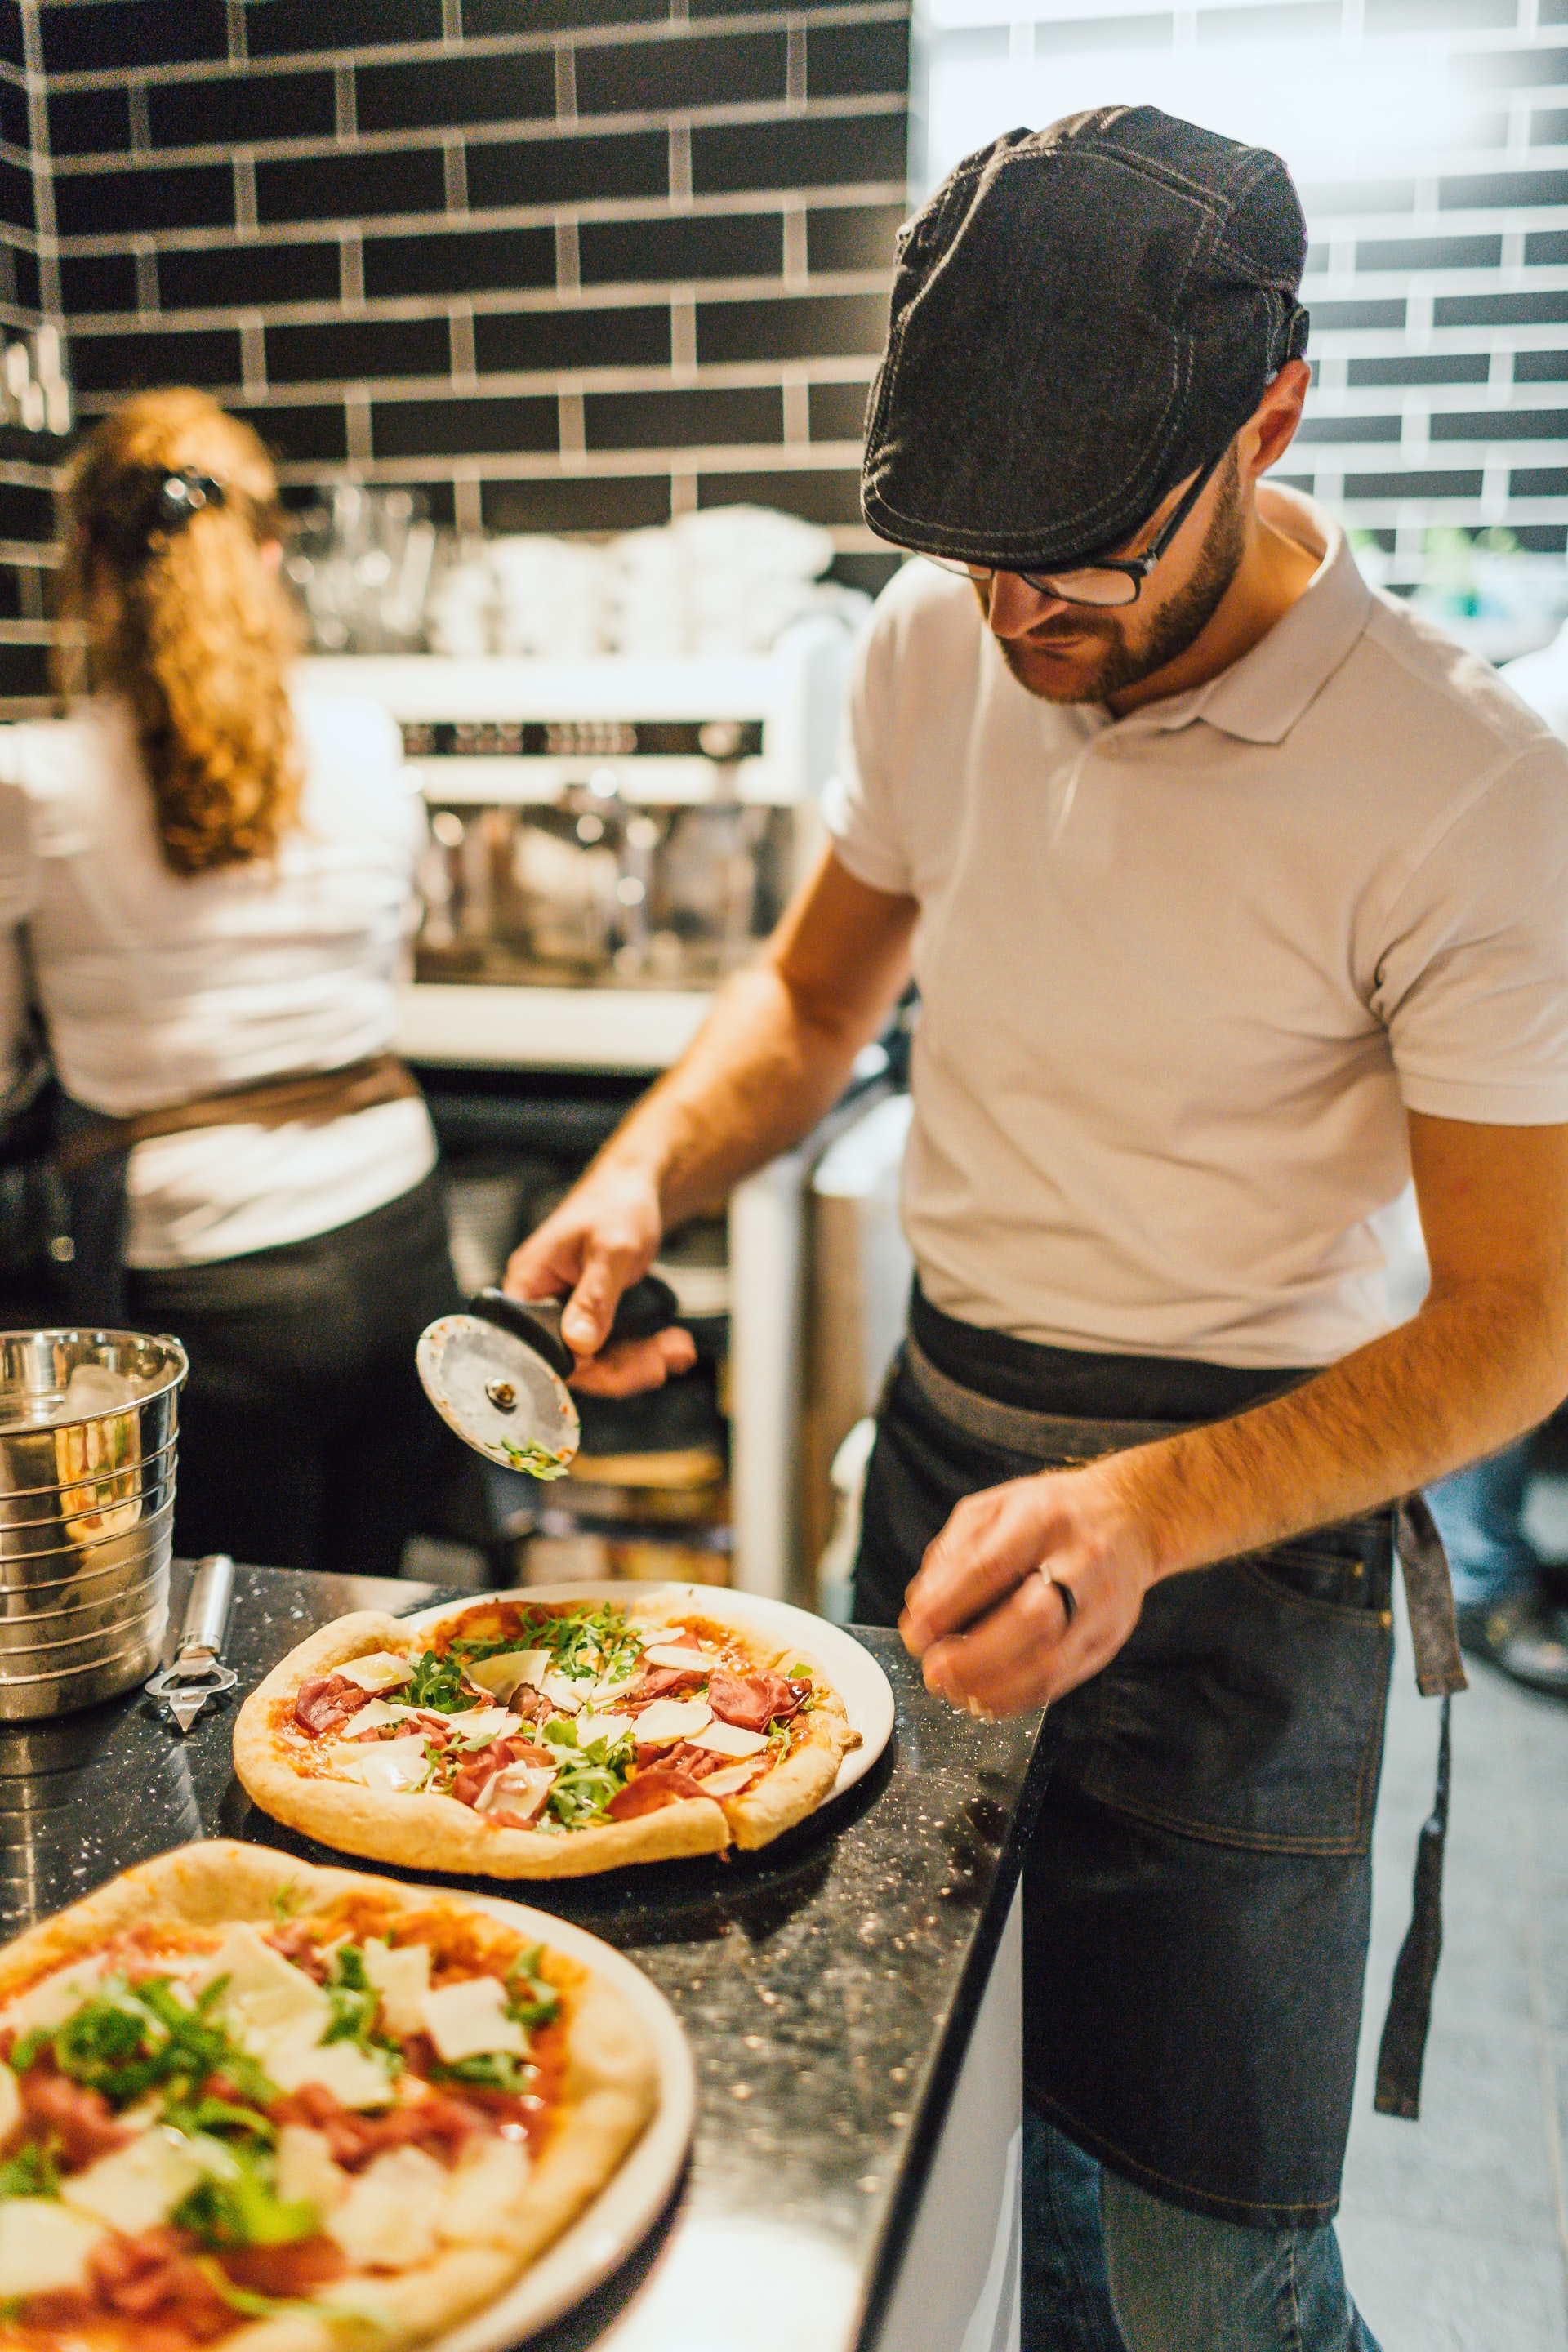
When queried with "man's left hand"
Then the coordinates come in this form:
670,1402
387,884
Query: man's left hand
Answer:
988,1615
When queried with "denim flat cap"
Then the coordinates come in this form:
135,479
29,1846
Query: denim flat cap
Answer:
1081,317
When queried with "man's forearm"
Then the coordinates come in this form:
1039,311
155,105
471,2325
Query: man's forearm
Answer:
758,1075
1466,1375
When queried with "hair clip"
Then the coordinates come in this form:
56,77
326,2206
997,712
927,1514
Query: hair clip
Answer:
180,496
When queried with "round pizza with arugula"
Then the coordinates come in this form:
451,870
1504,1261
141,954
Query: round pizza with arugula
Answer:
251,2103
519,1738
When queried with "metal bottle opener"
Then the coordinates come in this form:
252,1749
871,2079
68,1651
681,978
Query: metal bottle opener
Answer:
196,1673
497,1372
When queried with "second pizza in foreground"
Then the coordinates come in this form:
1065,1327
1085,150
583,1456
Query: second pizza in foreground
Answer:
519,1738
247,2102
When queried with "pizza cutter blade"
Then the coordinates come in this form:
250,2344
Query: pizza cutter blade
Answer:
497,1372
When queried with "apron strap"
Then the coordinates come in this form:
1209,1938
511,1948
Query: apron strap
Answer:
1439,1672
1403,2048
1429,1589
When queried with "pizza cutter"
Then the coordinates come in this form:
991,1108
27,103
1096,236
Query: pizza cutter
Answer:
497,1372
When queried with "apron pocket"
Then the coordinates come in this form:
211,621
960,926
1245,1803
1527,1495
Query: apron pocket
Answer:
1243,1711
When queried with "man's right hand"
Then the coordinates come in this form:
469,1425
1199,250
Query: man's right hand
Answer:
595,1246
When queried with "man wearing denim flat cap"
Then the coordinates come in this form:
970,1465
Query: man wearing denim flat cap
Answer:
1236,895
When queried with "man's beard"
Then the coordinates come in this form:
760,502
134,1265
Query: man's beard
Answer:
1125,662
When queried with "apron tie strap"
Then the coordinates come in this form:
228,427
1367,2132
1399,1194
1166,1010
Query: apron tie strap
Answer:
1403,2049
1439,1672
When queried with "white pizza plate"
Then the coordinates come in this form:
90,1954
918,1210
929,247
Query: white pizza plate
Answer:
626,2208
854,1673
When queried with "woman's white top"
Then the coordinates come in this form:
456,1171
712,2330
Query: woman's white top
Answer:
157,987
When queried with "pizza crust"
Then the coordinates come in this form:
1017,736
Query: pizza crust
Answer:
435,1832
609,2093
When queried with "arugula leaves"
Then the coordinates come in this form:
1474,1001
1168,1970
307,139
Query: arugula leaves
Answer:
492,2070
587,1777
31,2172
438,1682
239,2205
583,1643
126,2041
355,2003
528,1998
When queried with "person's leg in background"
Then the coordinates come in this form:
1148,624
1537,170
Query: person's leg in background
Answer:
1182,2281
1504,1611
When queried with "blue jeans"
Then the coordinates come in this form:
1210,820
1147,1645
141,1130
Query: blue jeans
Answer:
1480,1518
1107,2268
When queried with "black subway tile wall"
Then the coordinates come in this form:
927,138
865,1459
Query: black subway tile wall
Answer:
28,458
1429,138
561,265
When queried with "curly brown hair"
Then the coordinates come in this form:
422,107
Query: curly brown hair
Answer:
190,624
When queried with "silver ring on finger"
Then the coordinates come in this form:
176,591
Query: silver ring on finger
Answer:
1064,1593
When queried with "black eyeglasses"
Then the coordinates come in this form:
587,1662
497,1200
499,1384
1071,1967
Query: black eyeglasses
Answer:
1118,580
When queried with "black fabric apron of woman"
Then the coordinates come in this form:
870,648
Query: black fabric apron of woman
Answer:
305,1438
1197,1895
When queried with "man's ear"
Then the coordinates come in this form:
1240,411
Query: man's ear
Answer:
1270,429
271,555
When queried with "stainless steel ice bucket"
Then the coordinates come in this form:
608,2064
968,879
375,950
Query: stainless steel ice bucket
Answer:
88,1423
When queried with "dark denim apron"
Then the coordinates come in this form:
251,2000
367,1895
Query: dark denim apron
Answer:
1197,1895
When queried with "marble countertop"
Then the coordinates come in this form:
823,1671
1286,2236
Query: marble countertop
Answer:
826,1985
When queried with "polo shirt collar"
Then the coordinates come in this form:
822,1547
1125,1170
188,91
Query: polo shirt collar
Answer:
1260,697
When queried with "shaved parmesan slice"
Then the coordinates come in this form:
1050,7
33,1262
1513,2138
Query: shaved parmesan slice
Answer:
602,1727
611,1687
564,1692
469,2020
483,1723
10,2102
668,1719
353,2079
265,1995
520,1789
487,1722
43,2245
484,2190
388,1766
138,2185
729,1739
306,2170
373,1714
727,1783
504,1674
49,2002
401,1978
381,1671
387,2220
669,1654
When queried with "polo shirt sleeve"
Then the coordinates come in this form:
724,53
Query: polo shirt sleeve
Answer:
859,806
1472,980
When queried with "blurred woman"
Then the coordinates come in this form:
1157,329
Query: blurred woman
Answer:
213,873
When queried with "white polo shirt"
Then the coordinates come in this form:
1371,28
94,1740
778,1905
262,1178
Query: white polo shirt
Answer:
1181,973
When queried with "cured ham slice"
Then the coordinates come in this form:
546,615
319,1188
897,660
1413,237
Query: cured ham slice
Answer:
751,1702
79,2125
664,1682
325,1702
660,1785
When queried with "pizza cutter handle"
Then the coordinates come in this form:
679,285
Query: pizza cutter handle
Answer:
648,1306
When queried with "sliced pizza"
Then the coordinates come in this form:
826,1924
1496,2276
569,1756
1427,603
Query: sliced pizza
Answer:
247,2101
521,1739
